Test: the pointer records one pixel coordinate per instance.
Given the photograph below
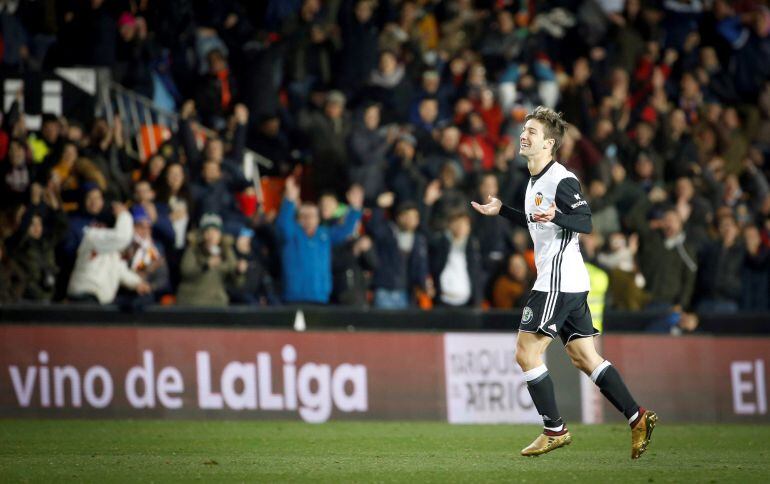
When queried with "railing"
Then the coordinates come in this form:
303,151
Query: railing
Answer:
146,127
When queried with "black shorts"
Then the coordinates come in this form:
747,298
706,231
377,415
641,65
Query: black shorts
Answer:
562,313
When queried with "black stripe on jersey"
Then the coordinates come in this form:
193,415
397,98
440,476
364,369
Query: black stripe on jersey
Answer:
567,238
550,303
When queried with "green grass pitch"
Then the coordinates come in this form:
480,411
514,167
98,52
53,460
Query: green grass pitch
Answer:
249,451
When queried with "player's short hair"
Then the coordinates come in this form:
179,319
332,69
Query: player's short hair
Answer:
554,126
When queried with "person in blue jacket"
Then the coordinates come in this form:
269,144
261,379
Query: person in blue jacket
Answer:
306,246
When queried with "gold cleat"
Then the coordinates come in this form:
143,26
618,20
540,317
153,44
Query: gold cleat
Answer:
641,434
546,443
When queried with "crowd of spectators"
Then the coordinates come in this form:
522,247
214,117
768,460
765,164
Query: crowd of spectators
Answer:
385,118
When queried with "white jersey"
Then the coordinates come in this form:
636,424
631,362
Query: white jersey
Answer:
560,266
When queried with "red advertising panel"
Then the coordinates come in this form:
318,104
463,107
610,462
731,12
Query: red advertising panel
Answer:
230,373
695,378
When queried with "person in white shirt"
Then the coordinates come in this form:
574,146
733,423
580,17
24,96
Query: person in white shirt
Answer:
100,269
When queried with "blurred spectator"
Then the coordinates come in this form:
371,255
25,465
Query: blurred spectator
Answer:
32,247
271,142
133,55
214,148
446,151
309,50
666,258
438,92
254,285
107,151
17,174
404,177
352,265
327,132
12,278
48,145
390,86
359,34
755,272
306,247
162,229
626,289
145,256
604,214
369,144
493,233
402,252
598,276
99,269
510,288
175,201
90,214
207,265
719,274
455,264
215,91
694,210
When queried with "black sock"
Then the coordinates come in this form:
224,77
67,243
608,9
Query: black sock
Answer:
541,390
612,387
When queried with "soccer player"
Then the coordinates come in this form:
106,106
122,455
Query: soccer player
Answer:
555,212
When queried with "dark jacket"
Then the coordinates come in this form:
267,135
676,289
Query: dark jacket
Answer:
669,272
36,257
368,151
755,281
439,255
719,272
256,284
396,270
349,274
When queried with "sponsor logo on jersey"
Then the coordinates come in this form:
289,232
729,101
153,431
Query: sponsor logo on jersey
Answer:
526,315
538,198
577,204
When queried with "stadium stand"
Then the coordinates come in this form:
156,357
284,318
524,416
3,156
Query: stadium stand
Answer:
208,108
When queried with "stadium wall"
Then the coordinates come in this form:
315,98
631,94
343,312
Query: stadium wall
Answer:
136,372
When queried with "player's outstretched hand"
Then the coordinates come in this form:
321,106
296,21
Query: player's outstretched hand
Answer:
491,208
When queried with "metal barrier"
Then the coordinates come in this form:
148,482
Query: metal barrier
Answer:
147,127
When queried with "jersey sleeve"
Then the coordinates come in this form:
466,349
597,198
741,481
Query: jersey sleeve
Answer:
573,211
514,215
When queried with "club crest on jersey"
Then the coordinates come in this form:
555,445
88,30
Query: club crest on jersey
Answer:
526,315
538,198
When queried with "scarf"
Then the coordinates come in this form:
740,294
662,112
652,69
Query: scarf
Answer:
145,254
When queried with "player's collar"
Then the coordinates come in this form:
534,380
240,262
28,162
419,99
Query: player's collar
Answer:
535,178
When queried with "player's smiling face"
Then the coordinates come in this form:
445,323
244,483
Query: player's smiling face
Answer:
532,139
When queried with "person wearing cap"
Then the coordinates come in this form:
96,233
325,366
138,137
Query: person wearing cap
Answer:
306,246
207,265
147,259
99,268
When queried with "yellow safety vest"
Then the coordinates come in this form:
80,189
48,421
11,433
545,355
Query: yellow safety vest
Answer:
596,297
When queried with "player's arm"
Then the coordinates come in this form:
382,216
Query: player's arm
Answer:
496,207
513,214
574,213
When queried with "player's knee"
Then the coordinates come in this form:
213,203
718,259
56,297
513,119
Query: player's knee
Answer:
581,362
527,357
